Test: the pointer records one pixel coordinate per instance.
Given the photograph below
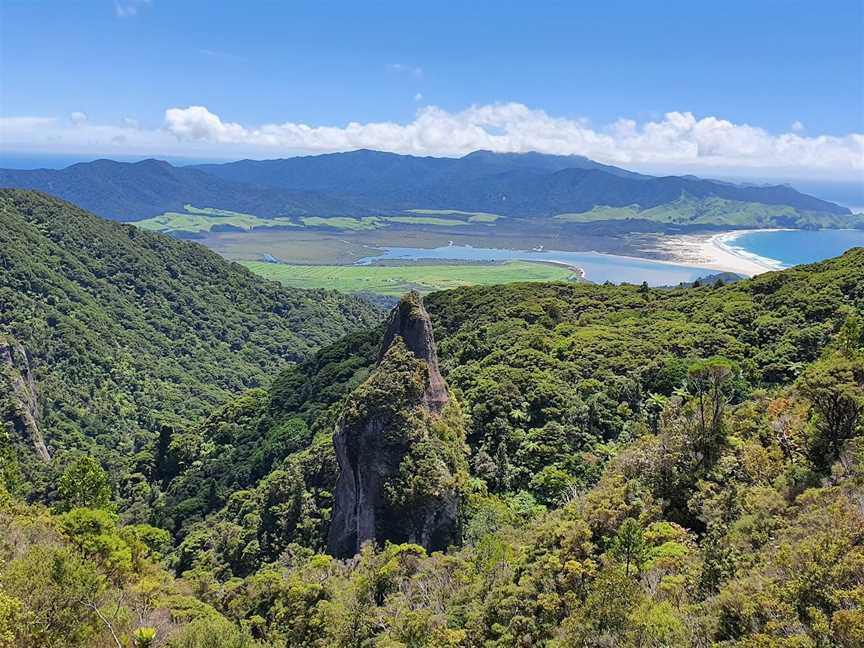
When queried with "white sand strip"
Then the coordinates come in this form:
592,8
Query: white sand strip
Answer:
715,252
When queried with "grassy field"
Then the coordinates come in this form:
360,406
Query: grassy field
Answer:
200,220
600,213
348,224
424,220
396,280
473,217
687,210
196,220
343,222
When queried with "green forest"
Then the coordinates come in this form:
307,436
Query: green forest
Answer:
129,332
628,466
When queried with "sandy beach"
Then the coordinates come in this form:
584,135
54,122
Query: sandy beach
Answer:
715,252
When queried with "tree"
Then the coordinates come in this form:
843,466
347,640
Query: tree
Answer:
11,617
629,546
503,471
84,484
654,406
851,336
54,586
144,638
708,381
835,388
10,474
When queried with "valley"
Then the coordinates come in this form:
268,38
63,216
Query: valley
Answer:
348,212
431,325
183,444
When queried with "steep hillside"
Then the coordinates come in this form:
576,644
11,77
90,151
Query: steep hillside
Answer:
125,331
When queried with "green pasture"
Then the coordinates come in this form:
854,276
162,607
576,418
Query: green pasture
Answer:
473,217
196,220
396,280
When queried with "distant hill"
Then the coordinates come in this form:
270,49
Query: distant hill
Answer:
128,191
529,185
114,325
366,173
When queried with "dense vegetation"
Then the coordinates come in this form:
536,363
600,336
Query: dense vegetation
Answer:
647,468
362,183
127,332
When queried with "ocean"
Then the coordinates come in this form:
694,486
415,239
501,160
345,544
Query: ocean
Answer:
786,248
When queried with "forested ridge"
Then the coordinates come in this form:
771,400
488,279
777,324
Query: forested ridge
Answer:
125,331
636,467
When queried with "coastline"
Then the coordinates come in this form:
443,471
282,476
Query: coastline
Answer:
569,266
715,252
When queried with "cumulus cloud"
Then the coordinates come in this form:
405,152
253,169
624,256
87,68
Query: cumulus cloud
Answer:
797,126
677,137
78,118
129,8
677,142
418,97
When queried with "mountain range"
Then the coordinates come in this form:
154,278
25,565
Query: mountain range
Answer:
364,182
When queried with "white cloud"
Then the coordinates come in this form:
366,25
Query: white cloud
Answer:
36,134
413,70
677,142
78,118
797,126
24,126
129,8
130,122
418,97
676,138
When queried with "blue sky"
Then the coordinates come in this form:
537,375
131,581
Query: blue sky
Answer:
106,72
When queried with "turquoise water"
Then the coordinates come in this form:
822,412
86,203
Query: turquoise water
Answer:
598,268
788,248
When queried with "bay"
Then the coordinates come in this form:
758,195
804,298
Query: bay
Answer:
598,268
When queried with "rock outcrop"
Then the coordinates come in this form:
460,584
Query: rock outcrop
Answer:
20,397
400,446
410,321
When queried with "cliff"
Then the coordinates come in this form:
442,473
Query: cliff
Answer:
21,398
400,446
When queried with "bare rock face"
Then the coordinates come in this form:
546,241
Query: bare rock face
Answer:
21,395
400,446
